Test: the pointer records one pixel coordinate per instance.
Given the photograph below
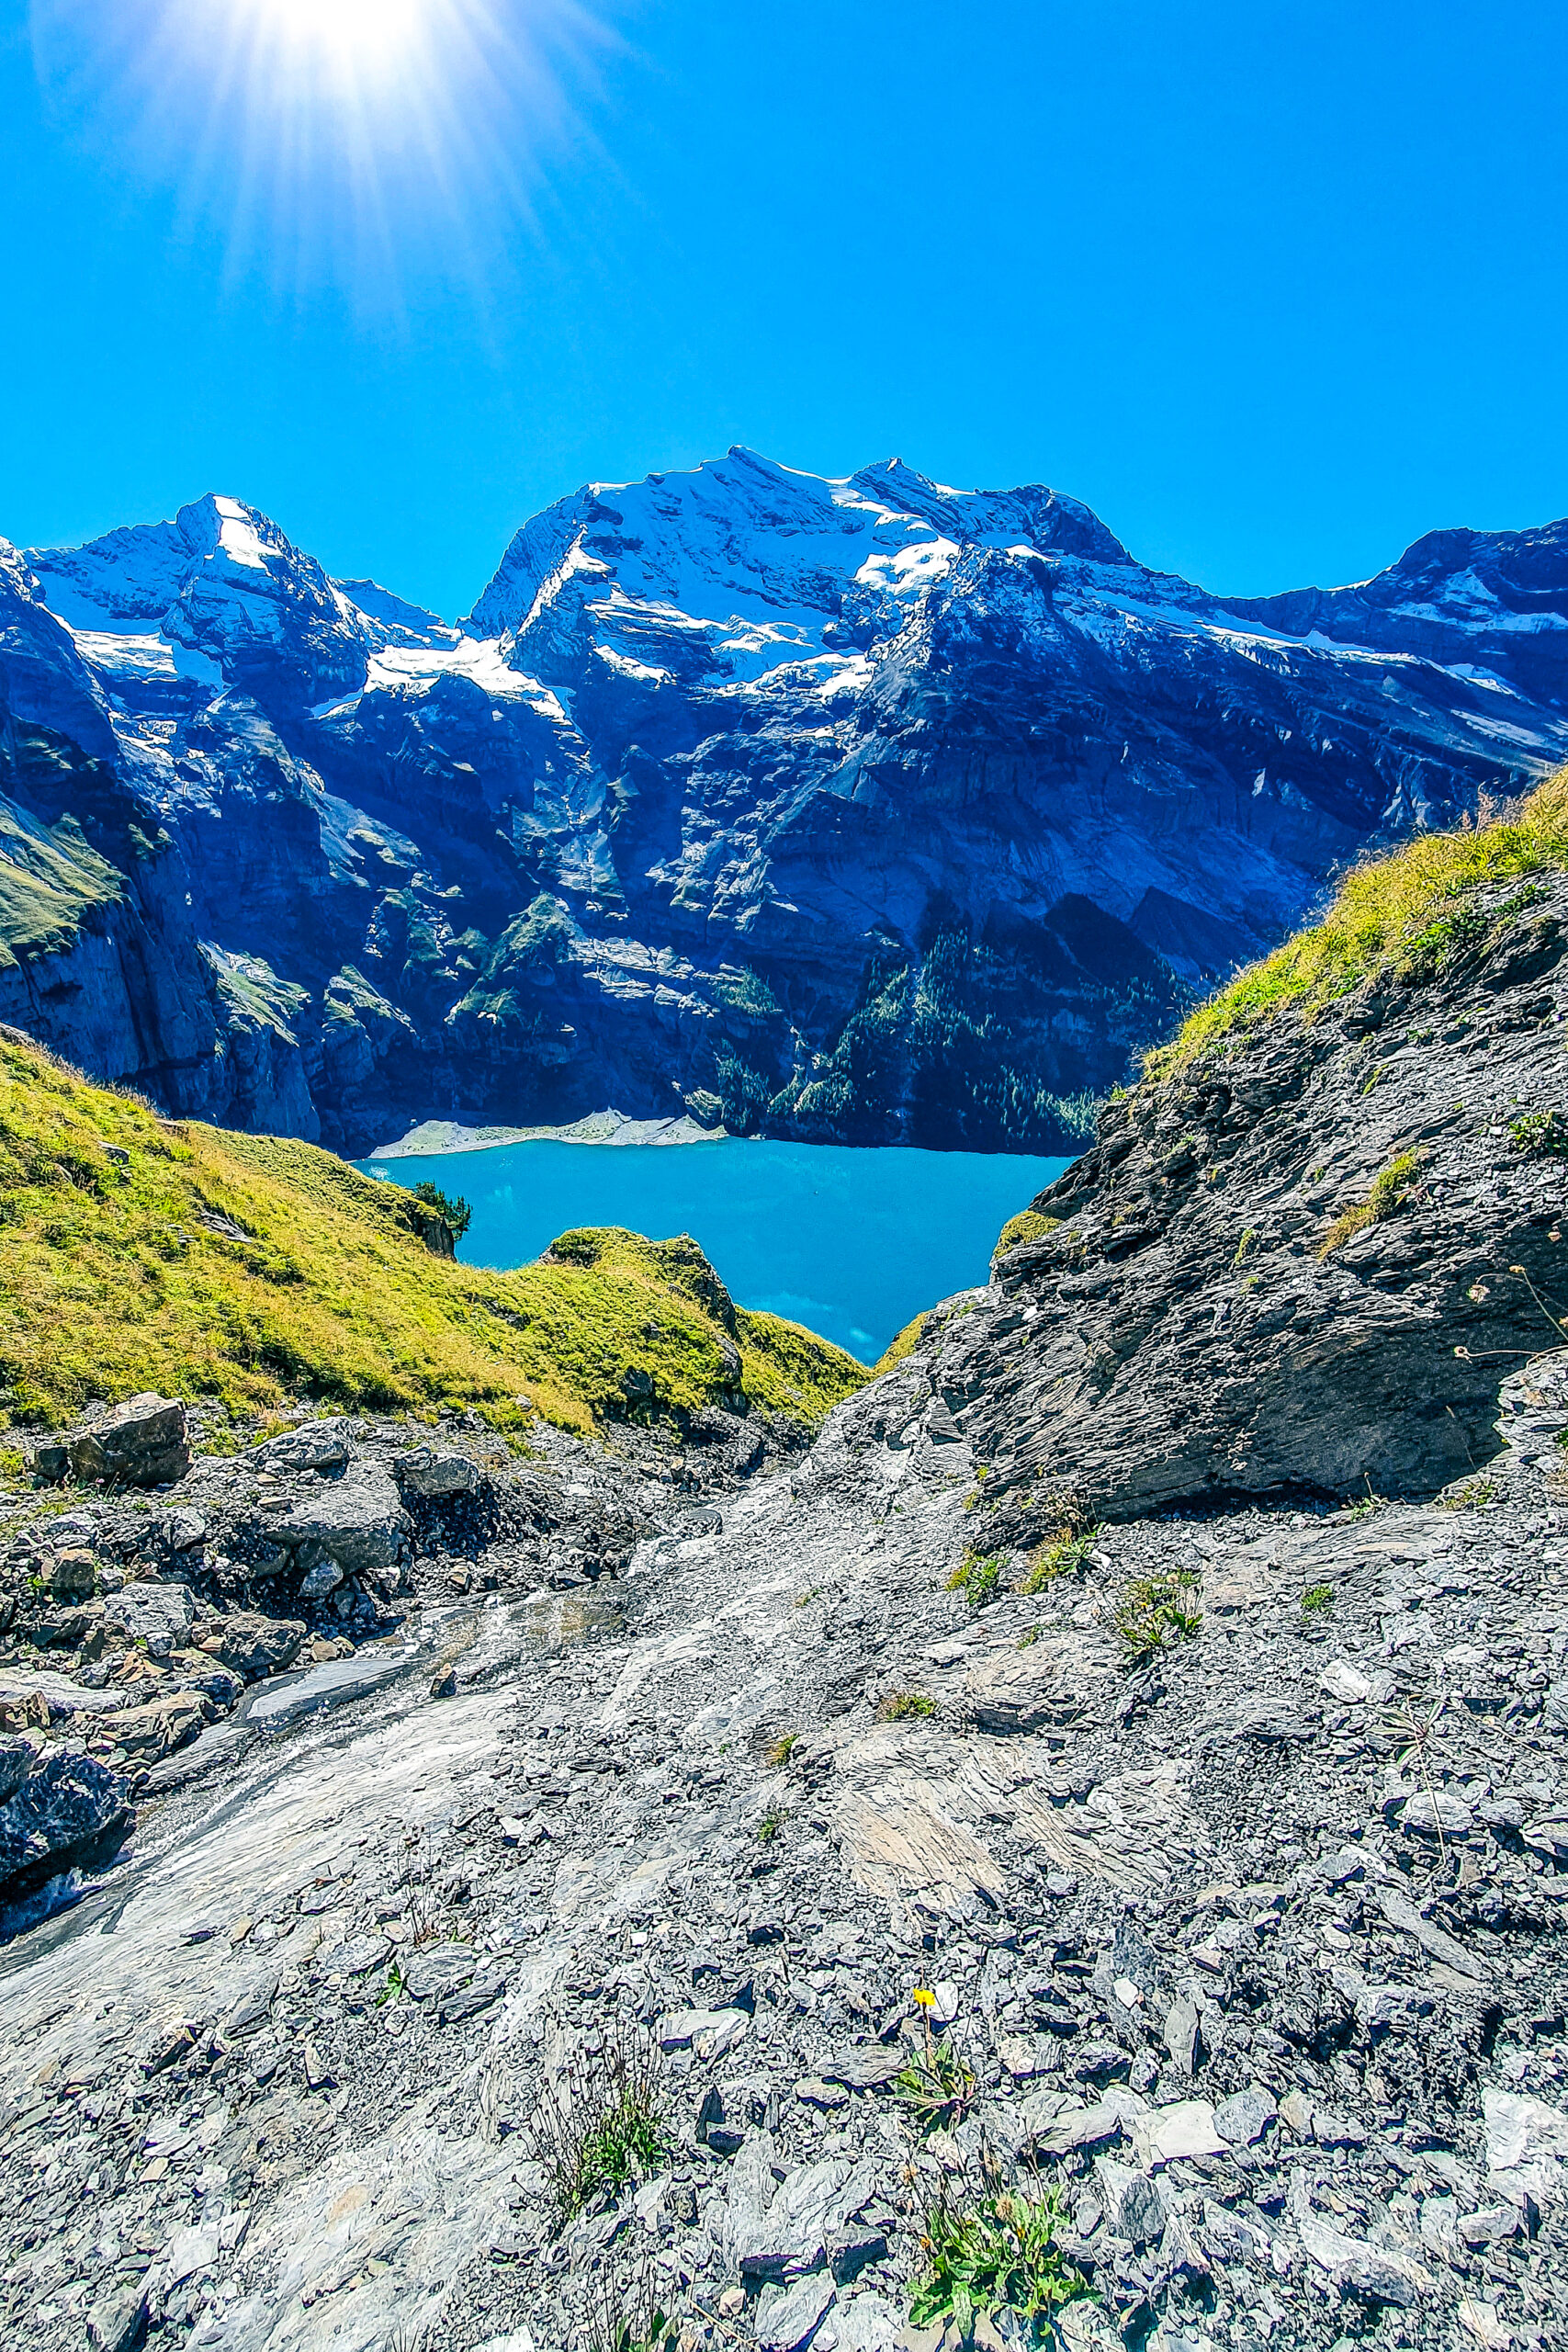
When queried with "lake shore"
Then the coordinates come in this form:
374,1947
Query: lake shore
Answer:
596,1128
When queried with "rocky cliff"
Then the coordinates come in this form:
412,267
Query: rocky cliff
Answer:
840,1905
863,809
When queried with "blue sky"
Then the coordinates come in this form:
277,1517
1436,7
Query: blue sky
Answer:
1273,287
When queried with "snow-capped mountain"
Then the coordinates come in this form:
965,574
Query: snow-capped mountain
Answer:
860,808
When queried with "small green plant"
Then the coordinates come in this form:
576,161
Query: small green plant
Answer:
936,2086
1155,1612
1541,1135
1063,1555
602,2124
783,1748
628,2322
1248,1241
393,1990
899,1705
1027,1641
805,1600
1476,1493
1389,1190
998,2254
977,1577
1315,1598
772,1821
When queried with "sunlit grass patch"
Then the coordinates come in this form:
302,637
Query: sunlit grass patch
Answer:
1406,910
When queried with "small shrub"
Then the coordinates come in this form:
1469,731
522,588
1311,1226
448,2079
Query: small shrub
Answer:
898,1704
1387,1197
1541,1135
772,1821
602,2125
1316,1597
1027,1641
450,1207
998,2254
1154,1611
1063,1555
1248,1241
783,1749
977,1577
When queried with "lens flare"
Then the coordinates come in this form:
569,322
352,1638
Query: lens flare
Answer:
342,142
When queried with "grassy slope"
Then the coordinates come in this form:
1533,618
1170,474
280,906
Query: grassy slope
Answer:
1406,910
111,1283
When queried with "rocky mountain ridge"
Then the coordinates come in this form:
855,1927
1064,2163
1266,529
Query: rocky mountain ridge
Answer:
963,1923
863,810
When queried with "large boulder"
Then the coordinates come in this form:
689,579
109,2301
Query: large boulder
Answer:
254,1645
359,1521
432,1475
158,1614
59,1807
142,1442
315,1445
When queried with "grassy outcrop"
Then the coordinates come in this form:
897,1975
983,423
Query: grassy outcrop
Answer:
1402,913
139,1253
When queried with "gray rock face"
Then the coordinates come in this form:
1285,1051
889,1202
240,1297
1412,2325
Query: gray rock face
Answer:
358,1521
1206,1320
64,1807
159,1614
861,809
142,1442
427,1472
254,1645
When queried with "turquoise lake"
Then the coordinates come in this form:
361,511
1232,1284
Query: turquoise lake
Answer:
849,1243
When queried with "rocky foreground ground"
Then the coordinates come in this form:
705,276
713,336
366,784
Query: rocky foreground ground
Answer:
458,1900
1233,1858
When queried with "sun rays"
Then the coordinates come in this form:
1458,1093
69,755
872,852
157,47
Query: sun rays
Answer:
335,144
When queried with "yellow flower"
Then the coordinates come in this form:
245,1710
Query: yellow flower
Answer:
926,2000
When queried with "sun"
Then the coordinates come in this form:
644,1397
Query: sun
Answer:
365,36
341,141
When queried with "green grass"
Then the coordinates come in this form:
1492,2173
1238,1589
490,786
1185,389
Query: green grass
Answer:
998,2254
1408,912
783,1748
771,1824
907,1341
977,1577
1391,1188
604,2125
112,1279
1027,1225
1316,1598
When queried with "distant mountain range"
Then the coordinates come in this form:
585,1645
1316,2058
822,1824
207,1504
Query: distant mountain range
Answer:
863,810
